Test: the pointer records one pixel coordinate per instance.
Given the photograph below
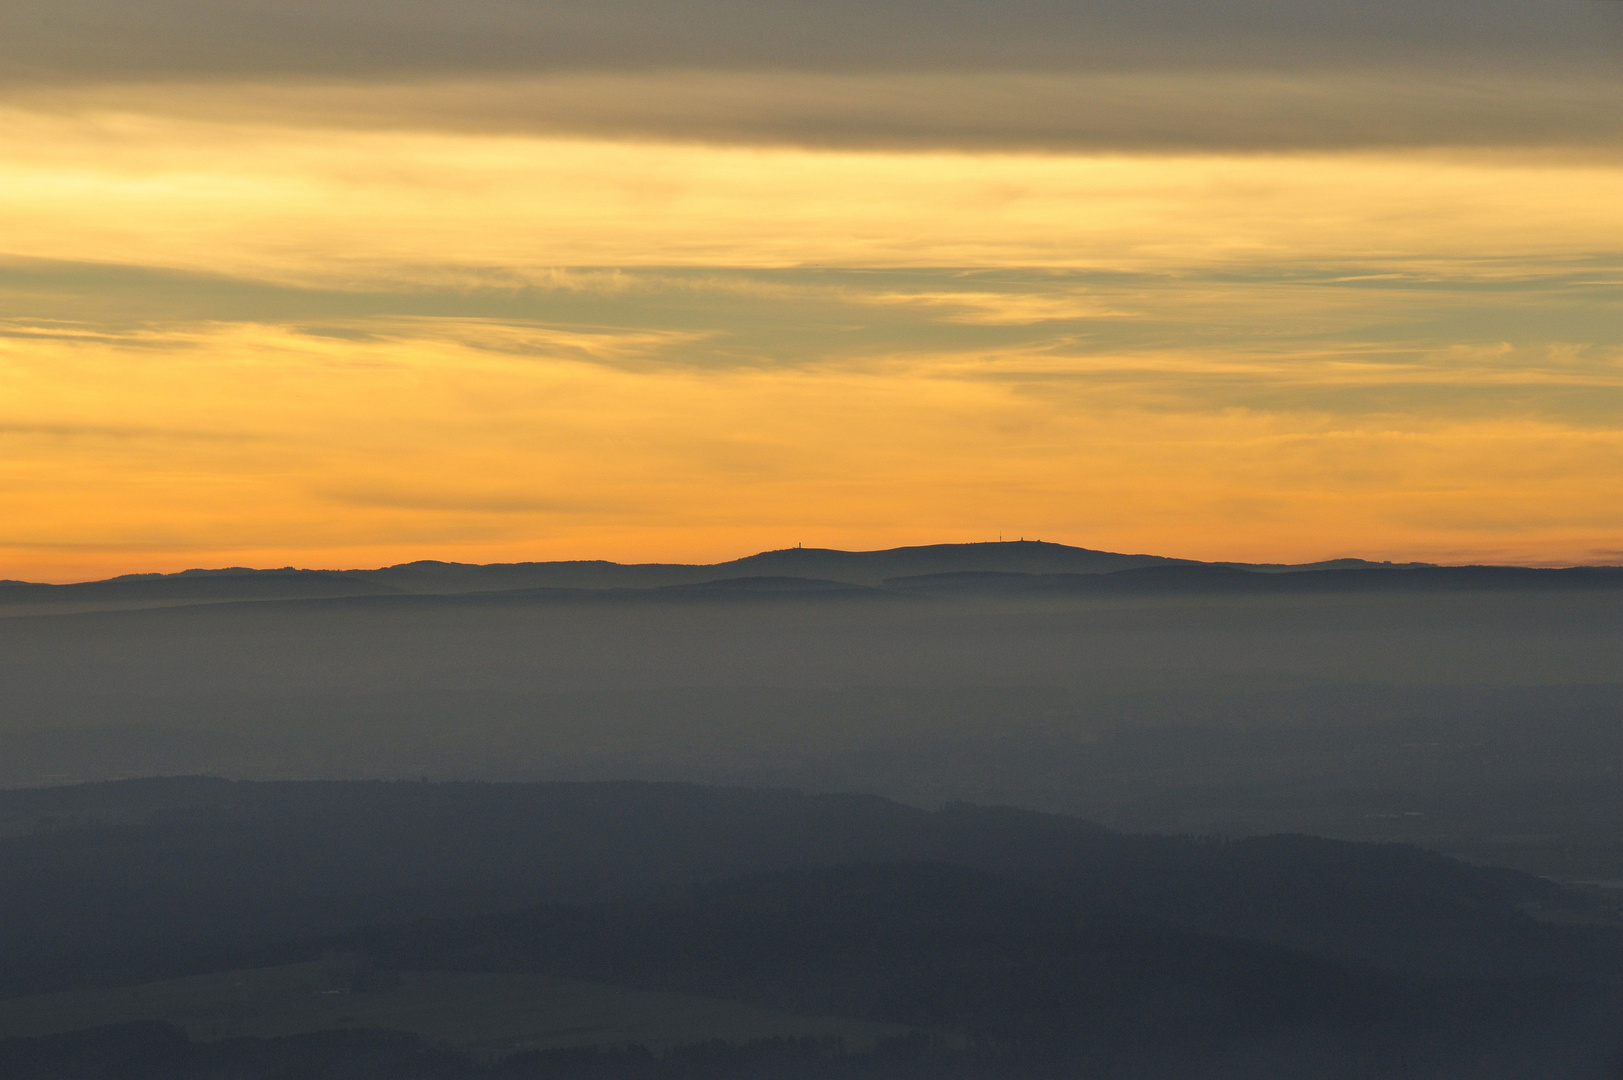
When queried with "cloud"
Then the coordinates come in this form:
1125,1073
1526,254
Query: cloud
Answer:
83,330
362,210
1009,308
508,337
425,439
1056,75
1073,111
118,433
463,499
76,39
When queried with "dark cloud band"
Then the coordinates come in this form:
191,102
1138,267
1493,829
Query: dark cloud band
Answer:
1131,112
98,39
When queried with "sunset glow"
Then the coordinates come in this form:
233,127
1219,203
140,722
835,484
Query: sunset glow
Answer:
235,328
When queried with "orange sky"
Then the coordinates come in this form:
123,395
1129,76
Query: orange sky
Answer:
238,339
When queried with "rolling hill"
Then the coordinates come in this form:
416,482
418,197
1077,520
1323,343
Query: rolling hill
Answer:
857,568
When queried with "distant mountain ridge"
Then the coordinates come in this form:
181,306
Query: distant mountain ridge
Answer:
1006,569
831,567
1211,578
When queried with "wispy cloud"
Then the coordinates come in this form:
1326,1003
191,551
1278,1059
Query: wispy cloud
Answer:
424,438
1575,110
598,344
1010,308
376,209
465,498
118,433
349,38
333,281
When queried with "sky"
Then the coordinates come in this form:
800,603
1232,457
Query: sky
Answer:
348,283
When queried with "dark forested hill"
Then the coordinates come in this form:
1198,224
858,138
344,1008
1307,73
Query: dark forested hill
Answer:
114,874
1047,942
1079,986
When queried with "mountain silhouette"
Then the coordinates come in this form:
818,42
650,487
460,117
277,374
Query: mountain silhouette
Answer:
818,570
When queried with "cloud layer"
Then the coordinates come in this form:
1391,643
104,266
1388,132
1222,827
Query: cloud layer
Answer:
340,283
1211,416
1032,74
317,205
77,39
1052,112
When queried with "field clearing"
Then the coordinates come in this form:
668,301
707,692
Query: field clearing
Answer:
487,1015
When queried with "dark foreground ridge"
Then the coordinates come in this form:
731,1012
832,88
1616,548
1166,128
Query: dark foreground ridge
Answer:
153,1050
971,941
